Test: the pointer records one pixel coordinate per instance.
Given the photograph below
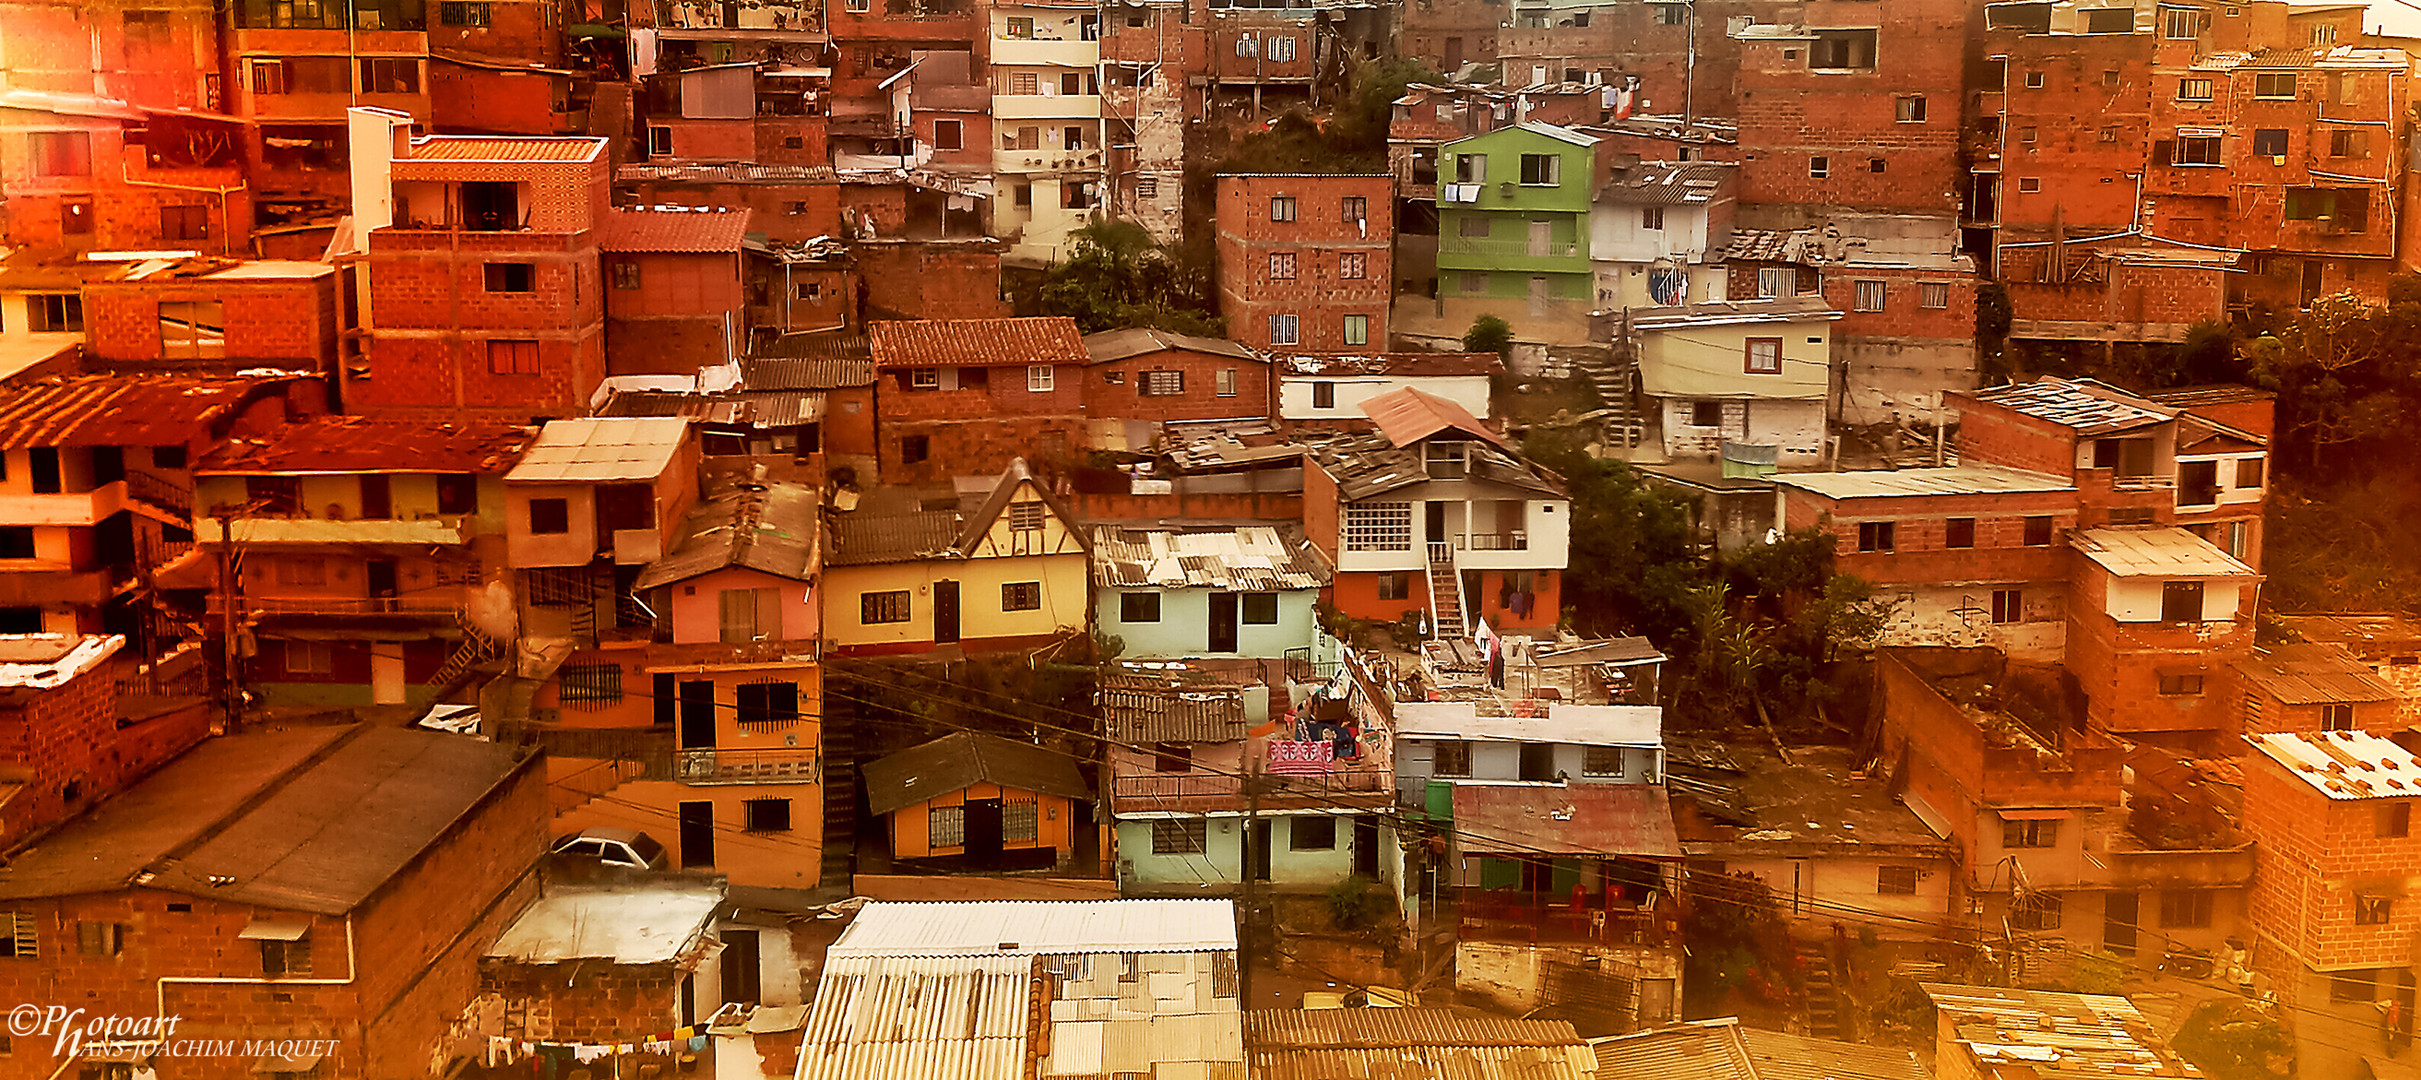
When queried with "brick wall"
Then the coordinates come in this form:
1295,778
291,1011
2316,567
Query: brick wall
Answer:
1990,434
2314,854
438,378
1316,245
2119,666
774,135
1124,399
68,744
1790,113
463,98
292,321
590,1003
1919,554
942,280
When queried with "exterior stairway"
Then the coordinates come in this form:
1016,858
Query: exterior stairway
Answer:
1611,377
1445,595
1823,1004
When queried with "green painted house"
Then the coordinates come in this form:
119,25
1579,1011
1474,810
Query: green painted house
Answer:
1513,216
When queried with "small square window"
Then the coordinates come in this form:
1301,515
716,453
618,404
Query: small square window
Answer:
1040,378
1225,382
626,274
2193,89
512,357
1601,761
2269,142
2034,80
2185,909
765,815
1312,832
550,517
1764,356
2030,833
1357,329
2374,910
2038,531
1896,880
1651,218
1281,266
1395,586
1353,266
2337,716
1257,608
914,449
1282,208
2395,820
1285,330
2181,684
1874,164
1876,535
1188,837
1910,110
1934,295
1139,607
2030,183
1869,296
1819,166
1706,414
510,277
1958,532
1323,395
1450,757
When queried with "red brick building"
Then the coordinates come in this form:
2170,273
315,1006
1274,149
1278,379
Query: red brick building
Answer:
1305,259
675,303
1849,105
207,315
2332,814
966,396
1447,34
71,737
485,293
335,884
931,279
1153,375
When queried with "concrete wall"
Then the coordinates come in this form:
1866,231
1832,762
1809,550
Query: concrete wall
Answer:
1183,627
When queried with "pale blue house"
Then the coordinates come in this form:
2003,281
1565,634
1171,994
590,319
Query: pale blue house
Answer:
1181,592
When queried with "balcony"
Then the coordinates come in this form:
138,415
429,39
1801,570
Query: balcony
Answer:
1485,248
1011,52
151,495
442,605
447,530
1516,540
1012,107
781,765
1503,915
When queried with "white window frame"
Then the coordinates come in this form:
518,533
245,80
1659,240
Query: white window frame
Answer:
1377,526
1285,330
1041,378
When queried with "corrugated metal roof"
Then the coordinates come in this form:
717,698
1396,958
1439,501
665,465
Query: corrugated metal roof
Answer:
120,410
964,758
1559,722
2313,673
651,923
976,342
1903,483
1349,1028
863,537
918,1018
2165,551
1697,1050
1424,1062
2090,407
733,173
2344,764
1141,708
827,373
1667,183
2054,1034
1565,819
348,444
1242,558
771,529
601,449
1038,927
1367,464
1110,345
1621,650
664,229
314,820
505,148
1779,1056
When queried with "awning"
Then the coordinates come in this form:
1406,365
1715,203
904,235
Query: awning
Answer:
2034,814
260,929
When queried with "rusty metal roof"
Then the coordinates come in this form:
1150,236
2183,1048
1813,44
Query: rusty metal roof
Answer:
768,528
976,342
2051,1034
965,758
2344,764
315,819
862,537
1162,709
120,410
2090,407
1693,1050
675,229
1565,819
349,444
1661,183
1410,1044
505,148
1237,558
2315,673
601,450
1367,464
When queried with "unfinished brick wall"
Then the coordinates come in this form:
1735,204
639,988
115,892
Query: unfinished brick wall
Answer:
289,321
1116,389
1791,113
2314,853
1319,247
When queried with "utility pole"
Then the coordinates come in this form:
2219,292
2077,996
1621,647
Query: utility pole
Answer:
1248,936
231,591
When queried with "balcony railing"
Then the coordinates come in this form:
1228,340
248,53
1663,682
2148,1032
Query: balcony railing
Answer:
770,766
1508,249
160,492
1207,790
1486,917
341,605
1516,540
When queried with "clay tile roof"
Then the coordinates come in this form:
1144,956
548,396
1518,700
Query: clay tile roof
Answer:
505,148
977,342
118,410
662,229
1407,416
345,444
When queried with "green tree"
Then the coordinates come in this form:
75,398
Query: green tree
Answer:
2229,1040
1489,334
2347,379
1117,276
1361,122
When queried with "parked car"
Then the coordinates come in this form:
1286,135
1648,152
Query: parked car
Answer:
614,847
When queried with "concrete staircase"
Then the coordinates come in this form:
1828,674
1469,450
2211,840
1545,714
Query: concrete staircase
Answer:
1620,408
1823,1000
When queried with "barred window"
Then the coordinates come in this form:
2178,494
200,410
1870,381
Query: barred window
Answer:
1180,837
286,957
1451,758
1025,516
1601,761
1021,596
1160,383
590,682
1933,294
766,707
946,826
1896,880
1020,821
1378,527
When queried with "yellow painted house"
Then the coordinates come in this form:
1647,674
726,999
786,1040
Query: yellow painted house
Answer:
904,579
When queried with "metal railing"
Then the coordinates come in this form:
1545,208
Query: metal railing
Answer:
1508,249
771,766
1516,540
344,605
160,491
